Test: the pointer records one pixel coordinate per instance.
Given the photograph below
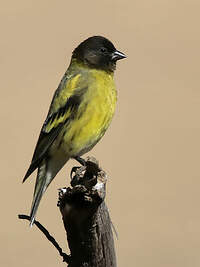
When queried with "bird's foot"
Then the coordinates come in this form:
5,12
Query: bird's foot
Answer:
73,171
88,172
80,160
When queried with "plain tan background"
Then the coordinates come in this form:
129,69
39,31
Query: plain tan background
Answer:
152,149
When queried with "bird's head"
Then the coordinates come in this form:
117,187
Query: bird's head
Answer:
98,52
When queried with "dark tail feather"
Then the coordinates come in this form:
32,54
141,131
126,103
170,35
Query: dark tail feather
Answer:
34,165
35,205
40,187
47,170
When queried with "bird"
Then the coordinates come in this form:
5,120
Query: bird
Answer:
80,112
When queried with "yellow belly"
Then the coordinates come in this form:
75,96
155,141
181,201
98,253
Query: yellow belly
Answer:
94,115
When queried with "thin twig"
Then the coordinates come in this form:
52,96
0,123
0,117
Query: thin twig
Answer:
66,258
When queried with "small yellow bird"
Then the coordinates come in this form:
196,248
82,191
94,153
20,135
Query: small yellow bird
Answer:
79,114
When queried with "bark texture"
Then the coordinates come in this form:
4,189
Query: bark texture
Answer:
86,218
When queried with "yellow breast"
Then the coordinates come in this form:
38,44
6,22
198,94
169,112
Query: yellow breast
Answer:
94,115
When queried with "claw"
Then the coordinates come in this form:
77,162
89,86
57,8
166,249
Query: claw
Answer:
74,169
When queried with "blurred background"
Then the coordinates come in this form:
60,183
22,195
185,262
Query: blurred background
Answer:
151,152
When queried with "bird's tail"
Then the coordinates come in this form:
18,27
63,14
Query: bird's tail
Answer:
42,181
46,172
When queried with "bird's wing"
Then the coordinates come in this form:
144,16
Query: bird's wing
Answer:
65,103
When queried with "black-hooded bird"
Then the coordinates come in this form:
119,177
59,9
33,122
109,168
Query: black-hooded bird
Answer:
80,112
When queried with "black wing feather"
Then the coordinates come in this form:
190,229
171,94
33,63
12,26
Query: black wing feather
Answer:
44,142
45,139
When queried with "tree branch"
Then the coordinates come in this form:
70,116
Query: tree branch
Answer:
86,218
66,258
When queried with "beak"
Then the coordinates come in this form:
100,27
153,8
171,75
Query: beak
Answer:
117,55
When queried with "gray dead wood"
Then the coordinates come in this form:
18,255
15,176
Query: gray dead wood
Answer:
86,218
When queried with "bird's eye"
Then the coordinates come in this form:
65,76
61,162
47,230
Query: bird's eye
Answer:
103,50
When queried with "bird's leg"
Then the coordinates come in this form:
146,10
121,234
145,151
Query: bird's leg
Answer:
80,160
74,169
